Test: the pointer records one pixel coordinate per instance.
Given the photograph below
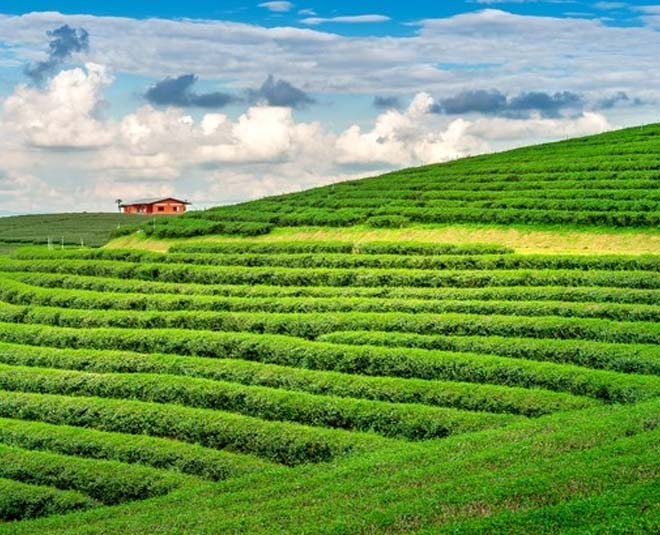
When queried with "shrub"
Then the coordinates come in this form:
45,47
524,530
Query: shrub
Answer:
108,482
20,501
393,420
158,453
388,221
285,443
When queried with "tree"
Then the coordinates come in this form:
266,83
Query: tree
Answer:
118,202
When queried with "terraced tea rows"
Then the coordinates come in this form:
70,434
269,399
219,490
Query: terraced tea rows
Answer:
128,375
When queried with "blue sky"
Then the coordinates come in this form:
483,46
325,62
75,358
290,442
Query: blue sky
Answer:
225,101
401,13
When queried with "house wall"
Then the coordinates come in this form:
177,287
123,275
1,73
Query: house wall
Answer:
168,207
160,208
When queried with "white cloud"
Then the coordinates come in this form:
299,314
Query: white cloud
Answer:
217,157
586,55
277,7
539,128
261,134
606,6
64,115
348,19
264,151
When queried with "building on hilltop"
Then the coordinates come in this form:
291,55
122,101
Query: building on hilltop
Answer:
167,205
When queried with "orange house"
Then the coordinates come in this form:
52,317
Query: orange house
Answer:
168,205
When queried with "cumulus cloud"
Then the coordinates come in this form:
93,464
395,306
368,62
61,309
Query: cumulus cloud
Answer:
277,7
63,115
64,41
280,93
407,138
178,92
497,103
502,129
263,151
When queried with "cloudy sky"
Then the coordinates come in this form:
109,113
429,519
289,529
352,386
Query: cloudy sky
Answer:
219,102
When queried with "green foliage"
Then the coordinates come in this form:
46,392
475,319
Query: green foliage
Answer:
196,294
363,277
108,482
415,248
158,453
22,294
264,386
403,260
416,422
388,221
469,396
19,501
367,360
286,443
93,229
310,326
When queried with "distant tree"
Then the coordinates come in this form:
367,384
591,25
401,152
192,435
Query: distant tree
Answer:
118,202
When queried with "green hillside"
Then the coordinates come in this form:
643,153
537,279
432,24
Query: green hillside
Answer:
92,229
284,384
606,180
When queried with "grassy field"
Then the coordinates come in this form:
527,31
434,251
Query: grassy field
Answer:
453,378
92,229
524,239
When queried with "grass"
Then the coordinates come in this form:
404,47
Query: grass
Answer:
8,248
372,385
530,240
533,478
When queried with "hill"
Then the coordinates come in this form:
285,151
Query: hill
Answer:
282,384
608,180
92,229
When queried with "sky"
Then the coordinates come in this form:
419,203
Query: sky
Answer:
220,102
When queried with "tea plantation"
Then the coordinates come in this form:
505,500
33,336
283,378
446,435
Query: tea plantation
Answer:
259,385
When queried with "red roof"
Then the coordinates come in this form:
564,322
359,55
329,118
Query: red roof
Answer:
152,201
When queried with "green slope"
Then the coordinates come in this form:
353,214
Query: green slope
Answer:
93,229
608,180
348,380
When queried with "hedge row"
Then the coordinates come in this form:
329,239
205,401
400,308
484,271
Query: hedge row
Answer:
312,325
468,396
20,501
159,453
281,442
368,360
625,358
185,227
372,261
521,200
591,294
344,217
396,248
181,273
18,293
108,482
409,421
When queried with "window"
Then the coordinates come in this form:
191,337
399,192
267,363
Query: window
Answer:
161,208
175,208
